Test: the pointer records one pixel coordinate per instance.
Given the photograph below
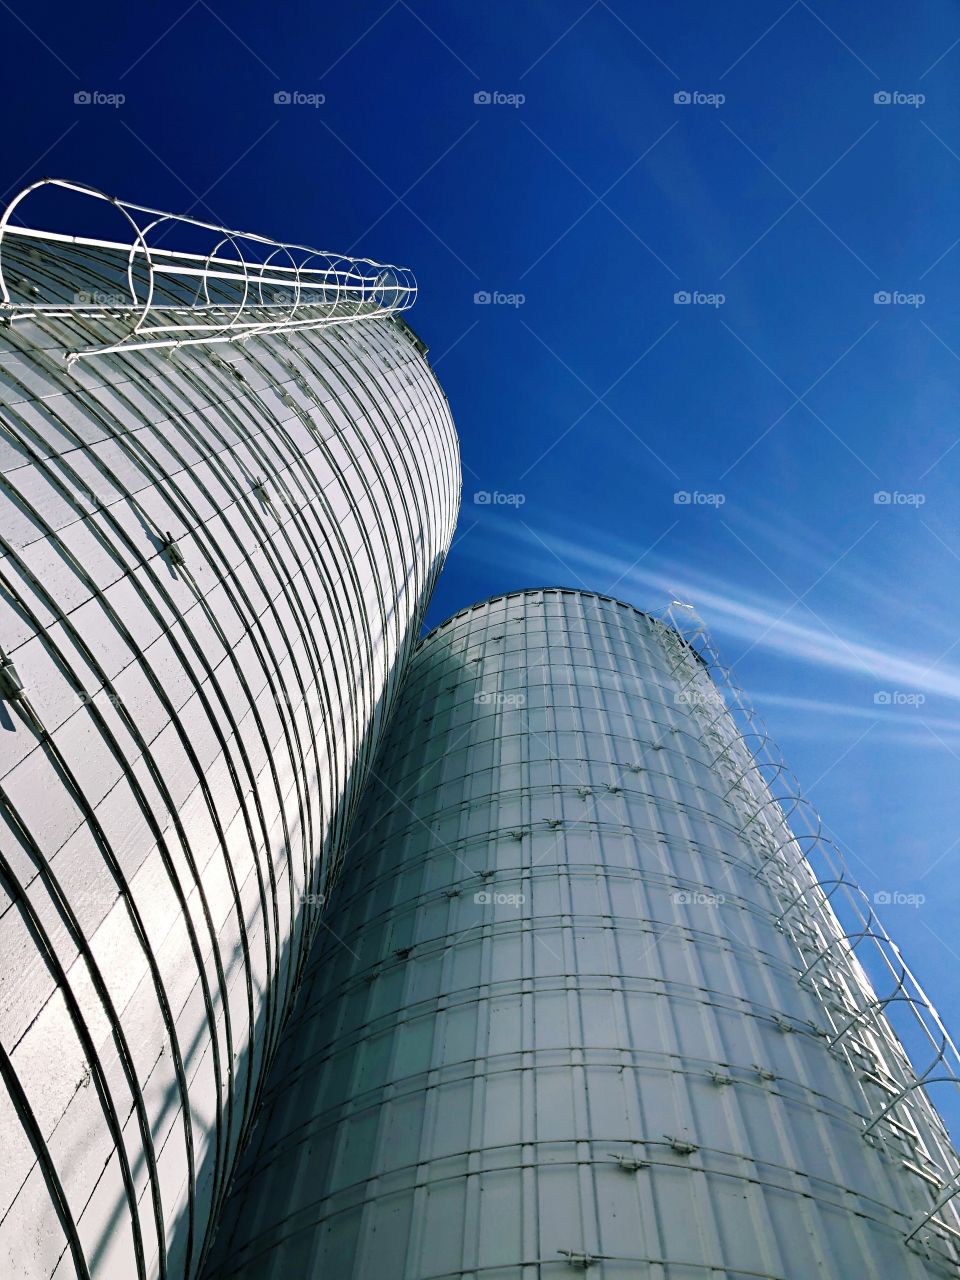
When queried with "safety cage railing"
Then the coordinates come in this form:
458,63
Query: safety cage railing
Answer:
151,296
872,1002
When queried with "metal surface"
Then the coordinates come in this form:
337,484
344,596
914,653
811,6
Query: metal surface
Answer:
581,1005
874,1002
213,566
245,285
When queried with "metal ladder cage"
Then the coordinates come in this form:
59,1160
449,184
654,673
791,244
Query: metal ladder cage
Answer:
246,285
845,955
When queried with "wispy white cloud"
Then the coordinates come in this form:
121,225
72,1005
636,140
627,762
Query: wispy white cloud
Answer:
902,726
610,565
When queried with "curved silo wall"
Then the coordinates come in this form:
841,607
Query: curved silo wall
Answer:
557,1022
214,564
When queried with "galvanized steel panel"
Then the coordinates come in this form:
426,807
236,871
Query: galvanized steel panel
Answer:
555,1022
193,736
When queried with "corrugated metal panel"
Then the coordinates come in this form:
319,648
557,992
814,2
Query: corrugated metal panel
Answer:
214,564
555,1022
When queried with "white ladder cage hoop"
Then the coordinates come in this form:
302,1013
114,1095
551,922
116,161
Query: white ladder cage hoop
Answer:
244,286
777,813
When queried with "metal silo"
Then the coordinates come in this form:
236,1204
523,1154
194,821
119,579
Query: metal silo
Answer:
582,1004
230,479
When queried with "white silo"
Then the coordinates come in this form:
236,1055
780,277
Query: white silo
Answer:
230,479
581,1004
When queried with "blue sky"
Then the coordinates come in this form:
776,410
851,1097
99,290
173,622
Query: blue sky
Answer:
585,393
